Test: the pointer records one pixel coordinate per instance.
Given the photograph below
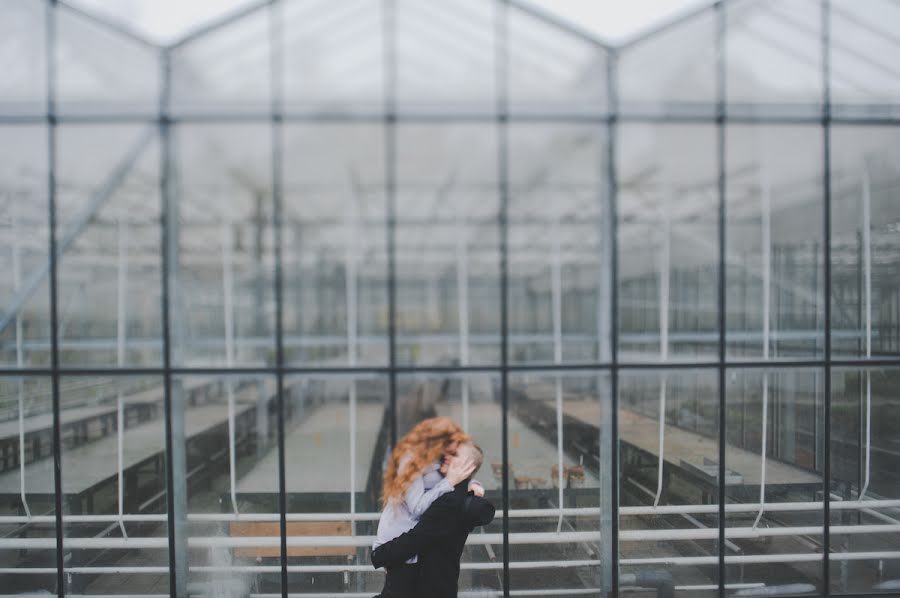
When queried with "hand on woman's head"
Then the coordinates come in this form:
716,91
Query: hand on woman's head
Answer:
460,468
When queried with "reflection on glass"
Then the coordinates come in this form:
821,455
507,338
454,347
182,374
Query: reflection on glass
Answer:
26,484
774,456
668,242
559,288
334,246
774,242
203,83
223,225
559,445
103,71
673,71
445,55
552,71
25,290
230,440
109,274
22,29
865,461
448,296
114,471
774,58
669,456
865,278
864,84
337,436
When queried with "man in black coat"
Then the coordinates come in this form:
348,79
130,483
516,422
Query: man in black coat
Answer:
438,538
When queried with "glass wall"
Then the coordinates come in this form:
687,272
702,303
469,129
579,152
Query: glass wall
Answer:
657,282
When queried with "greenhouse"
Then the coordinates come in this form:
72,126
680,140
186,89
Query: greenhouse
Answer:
658,282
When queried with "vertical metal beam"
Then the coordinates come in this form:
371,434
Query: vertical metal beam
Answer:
502,124
613,215
276,80
164,192
50,47
721,71
826,223
389,58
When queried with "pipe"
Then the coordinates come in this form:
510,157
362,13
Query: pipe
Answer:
121,329
228,294
783,590
20,358
556,274
462,291
643,535
767,281
351,291
514,514
664,267
521,565
867,271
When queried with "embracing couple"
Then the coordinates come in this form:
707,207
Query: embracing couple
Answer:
431,503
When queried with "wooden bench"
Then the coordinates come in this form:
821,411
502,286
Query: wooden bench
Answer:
294,528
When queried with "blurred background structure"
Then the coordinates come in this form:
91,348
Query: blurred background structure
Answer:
658,281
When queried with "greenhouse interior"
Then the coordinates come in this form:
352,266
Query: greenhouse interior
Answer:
657,281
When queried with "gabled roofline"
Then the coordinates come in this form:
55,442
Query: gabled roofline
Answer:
217,23
111,24
522,6
557,23
673,22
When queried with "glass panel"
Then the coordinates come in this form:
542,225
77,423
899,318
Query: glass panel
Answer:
865,270
774,194
24,57
113,470
678,545
335,244
672,71
578,406
781,409
109,282
225,70
668,242
472,402
865,82
231,449
337,436
445,55
448,299
551,70
774,54
559,293
101,71
27,419
865,462
223,309
333,55
24,255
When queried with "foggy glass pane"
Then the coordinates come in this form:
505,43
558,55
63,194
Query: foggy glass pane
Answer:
656,280
100,71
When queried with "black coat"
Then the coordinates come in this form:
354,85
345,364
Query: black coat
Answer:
438,538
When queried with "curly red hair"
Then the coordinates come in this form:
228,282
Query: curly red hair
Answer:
425,443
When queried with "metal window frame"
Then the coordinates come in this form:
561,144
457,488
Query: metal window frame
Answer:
609,118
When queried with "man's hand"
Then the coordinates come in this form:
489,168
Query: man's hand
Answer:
476,488
460,469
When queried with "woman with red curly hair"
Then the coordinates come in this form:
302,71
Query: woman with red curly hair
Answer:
418,472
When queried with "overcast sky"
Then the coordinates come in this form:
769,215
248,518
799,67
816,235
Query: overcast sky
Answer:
613,20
